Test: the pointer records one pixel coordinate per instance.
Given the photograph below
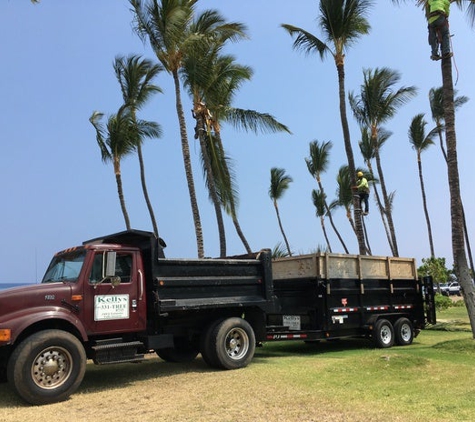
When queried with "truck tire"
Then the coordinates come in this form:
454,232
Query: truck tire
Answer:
206,346
383,334
404,332
184,351
47,367
233,344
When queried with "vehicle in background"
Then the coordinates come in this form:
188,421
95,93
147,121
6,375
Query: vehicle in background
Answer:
450,289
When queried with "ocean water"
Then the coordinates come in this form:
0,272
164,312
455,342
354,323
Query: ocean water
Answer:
4,286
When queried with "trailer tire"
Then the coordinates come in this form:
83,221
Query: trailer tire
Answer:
184,351
383,334
233,344
47,367
404,332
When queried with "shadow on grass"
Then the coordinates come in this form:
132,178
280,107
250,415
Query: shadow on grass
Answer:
108,377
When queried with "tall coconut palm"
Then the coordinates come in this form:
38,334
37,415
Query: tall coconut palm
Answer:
317,163
376,104
420,141
118,139
461,267
279,183
320,202
166,25
342,22
135,77
437,110
368,152
213,80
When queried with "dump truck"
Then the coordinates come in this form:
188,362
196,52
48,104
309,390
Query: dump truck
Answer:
117,299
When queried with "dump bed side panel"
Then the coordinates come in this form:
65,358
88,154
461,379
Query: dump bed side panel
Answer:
211,283
336,266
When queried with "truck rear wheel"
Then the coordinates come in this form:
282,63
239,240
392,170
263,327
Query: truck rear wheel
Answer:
47,367
404,332
233,344
383,334
206,346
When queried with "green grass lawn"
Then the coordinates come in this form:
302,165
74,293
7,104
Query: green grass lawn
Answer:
431,380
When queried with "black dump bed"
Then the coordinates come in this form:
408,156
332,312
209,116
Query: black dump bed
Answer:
194,284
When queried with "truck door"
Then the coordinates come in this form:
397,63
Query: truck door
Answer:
115,305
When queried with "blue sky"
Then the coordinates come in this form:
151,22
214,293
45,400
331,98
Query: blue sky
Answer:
56,192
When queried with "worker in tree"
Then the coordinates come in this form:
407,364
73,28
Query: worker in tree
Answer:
437,13
363,192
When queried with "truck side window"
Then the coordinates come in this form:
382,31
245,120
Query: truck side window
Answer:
123,268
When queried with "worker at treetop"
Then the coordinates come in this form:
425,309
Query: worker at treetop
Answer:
437,13
363,191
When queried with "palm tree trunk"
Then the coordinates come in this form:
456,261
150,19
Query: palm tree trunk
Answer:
387,205
424,203
120,191
282,229
231,195
322,222
327,208
145,190
366,238
239,231
202,134
349,153
188,170
467,239
460,259
380,208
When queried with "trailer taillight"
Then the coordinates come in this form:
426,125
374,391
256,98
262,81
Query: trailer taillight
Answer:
5,334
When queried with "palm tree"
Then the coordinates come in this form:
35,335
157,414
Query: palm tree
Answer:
345,198
135,75
377,103
279,183
118,139
212,80
461,267
437,110
320,202
368,152
420,141
318,163
166,25
342,22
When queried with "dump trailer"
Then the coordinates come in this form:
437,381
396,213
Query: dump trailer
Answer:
116,299
330,296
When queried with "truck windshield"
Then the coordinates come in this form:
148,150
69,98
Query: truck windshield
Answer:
65,266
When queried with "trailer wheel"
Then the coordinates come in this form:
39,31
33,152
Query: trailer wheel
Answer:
404,332
383,334
47,367
233,344
184,351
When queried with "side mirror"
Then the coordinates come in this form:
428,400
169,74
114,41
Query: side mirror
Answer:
110,264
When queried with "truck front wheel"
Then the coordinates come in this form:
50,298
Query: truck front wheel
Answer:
47,367
233,344
383,334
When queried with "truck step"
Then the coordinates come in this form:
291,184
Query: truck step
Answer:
109,352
